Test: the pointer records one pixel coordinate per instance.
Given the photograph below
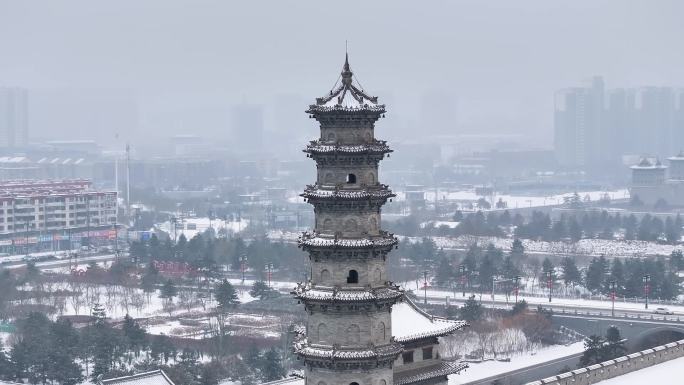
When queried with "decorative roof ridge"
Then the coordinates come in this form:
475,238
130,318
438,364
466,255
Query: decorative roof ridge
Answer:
358,98
429,372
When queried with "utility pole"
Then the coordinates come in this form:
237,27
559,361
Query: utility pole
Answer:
647,286
613,286
425,285
269,266
243,265
463,269
549,283
128,179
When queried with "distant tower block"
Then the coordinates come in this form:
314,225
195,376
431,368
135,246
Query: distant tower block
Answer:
349,297
677,167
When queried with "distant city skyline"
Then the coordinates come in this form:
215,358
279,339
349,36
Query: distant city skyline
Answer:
459,67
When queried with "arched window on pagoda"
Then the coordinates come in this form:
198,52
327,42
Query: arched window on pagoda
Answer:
382,331
322,333
353,276
351,178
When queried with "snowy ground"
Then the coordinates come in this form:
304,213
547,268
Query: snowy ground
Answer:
193,226
595,247
516,201
667,373
486,369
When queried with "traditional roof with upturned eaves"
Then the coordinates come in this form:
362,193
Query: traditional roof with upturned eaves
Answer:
348,96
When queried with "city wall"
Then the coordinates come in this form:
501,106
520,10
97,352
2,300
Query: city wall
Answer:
619,366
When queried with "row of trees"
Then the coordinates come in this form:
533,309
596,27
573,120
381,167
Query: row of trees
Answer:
204,251
601,226
482,268
48,351
591,225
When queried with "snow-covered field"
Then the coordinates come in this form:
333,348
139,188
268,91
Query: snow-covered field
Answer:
486,369
595,247
666,373
516,201
193,226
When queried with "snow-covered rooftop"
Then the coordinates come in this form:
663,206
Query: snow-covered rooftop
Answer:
413,376
381,192
409,323
347,295
156,377
376,147
316,240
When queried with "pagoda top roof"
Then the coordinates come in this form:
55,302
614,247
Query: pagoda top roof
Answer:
349,95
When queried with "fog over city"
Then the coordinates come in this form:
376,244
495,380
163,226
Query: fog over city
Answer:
160,68
282,192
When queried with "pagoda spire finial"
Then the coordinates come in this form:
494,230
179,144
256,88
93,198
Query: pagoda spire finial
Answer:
346,71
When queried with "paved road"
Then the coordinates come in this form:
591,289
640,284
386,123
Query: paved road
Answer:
564,308
51,264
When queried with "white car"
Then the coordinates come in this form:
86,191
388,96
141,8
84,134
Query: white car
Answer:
663,310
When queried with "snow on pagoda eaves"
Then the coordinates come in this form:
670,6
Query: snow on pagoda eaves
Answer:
380,191
327,352
409,323
427,373
332,294
375,147
348,96
315,239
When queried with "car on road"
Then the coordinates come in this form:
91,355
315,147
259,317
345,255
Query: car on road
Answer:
663,310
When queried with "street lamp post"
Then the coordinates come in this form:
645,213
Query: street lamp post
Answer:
425,285
613,286
647,286
243,265
517,287
269,267
463,270
549,283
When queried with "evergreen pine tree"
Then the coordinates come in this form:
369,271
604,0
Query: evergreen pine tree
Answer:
272,368
471,310
225,295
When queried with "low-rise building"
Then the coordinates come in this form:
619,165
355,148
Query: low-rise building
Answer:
38,215
654,182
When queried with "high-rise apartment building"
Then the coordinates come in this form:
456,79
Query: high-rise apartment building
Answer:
13,117
577,122
595,127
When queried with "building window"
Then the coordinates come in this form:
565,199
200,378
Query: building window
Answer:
407,357
353,276
427,353
351,178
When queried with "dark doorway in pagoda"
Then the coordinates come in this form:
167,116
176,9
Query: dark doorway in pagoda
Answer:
353,277
351,178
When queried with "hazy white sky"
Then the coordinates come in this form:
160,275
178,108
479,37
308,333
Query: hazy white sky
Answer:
183,62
